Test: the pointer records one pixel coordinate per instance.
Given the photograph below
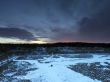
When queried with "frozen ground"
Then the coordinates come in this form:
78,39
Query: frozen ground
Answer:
55,68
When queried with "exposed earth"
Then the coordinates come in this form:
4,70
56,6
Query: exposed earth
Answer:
56,68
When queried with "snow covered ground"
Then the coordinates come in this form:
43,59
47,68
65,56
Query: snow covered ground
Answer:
54,69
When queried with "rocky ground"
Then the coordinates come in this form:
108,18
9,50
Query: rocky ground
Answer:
56,68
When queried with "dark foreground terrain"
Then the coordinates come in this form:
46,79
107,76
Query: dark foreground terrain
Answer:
55,63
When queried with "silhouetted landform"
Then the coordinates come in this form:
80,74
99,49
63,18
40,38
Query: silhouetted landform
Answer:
7,50
71,44
57,47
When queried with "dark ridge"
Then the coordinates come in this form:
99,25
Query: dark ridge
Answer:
72,44
7,50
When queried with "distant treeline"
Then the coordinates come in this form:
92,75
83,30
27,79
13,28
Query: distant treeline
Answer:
9,47
77,44
7,50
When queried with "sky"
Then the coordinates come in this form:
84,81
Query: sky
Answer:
48,21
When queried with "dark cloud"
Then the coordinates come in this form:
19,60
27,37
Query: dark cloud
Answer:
46,12
16,33
97,28
64,34
58,20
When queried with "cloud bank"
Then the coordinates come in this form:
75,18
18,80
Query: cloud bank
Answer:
57,20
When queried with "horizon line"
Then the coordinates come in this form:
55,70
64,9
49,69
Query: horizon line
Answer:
59,43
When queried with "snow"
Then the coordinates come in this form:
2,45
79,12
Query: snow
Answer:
2,62
59,71
10,74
